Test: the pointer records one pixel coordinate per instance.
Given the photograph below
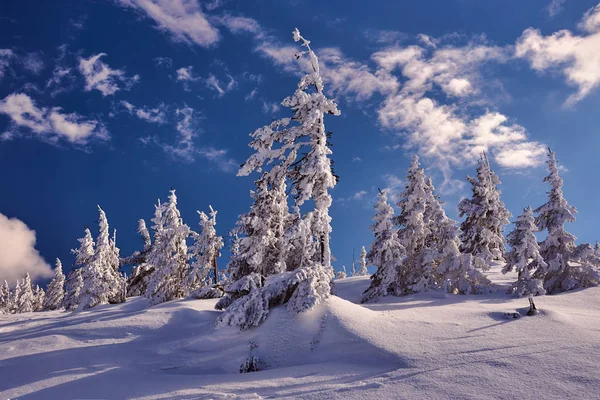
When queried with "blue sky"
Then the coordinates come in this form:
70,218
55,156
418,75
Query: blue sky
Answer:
115,102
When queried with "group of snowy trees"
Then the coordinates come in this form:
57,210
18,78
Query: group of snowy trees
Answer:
27,298
555,264
164,270
362,271
423,249
420,249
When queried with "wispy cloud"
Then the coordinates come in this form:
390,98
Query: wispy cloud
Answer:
183,20
555,7
575,56
6,55
166,62
156,115
50,124
220,87
33,63
101,77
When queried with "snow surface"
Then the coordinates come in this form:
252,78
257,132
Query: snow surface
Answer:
427,346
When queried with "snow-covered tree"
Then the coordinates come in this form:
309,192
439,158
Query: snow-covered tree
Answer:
485,216
137,283
454,272
85,252
73,287
38,298
524,256
16,297
417,269
363,262
205,251
55,292
5,298
559,246
169,255
341,274
386,252
102,281
26,299
311,177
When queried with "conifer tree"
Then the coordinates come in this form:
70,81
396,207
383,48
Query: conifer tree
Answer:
205,251
38,298
16,297
386,252
169,255
559,246
102,281
524,256
363,262
485,216
26,300
137,283
342,273
417,269
73,287
55,292
311,177
5,298
85,252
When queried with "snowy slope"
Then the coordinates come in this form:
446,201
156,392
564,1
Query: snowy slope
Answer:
429,345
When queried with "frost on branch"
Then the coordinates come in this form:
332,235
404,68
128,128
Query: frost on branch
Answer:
55,292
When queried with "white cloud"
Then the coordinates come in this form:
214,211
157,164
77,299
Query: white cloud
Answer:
270,108
5,58
49,123
251,95
33,63
62,80
241,25
185,74
166,62
393,186
17,252
357,159
220,87
555,7
182,19
575,56
219,157
101,77
155,115
355,197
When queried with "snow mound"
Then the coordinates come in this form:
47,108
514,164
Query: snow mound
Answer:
429,345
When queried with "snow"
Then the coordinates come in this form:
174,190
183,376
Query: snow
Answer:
429,345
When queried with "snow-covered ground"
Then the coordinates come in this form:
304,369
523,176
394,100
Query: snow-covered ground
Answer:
427,346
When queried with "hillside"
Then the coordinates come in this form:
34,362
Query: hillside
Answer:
427,346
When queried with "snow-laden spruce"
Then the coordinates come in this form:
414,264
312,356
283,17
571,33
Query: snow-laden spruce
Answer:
137,283
169,255
73,287
452,271
386,252
417,270
102,281
363,263
205,251
485,216
311,177
341,274
25,298
5,299
558,249
38,298
524,256
55,292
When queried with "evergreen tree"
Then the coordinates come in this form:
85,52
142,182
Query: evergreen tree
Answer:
559,246
485,216
16,297
38,298
342,273
137,284
311,177
169,255
5,298
386,252
85,252
205,251
524,256
102,282
26,300
363,263
73,287
55,292
417,268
